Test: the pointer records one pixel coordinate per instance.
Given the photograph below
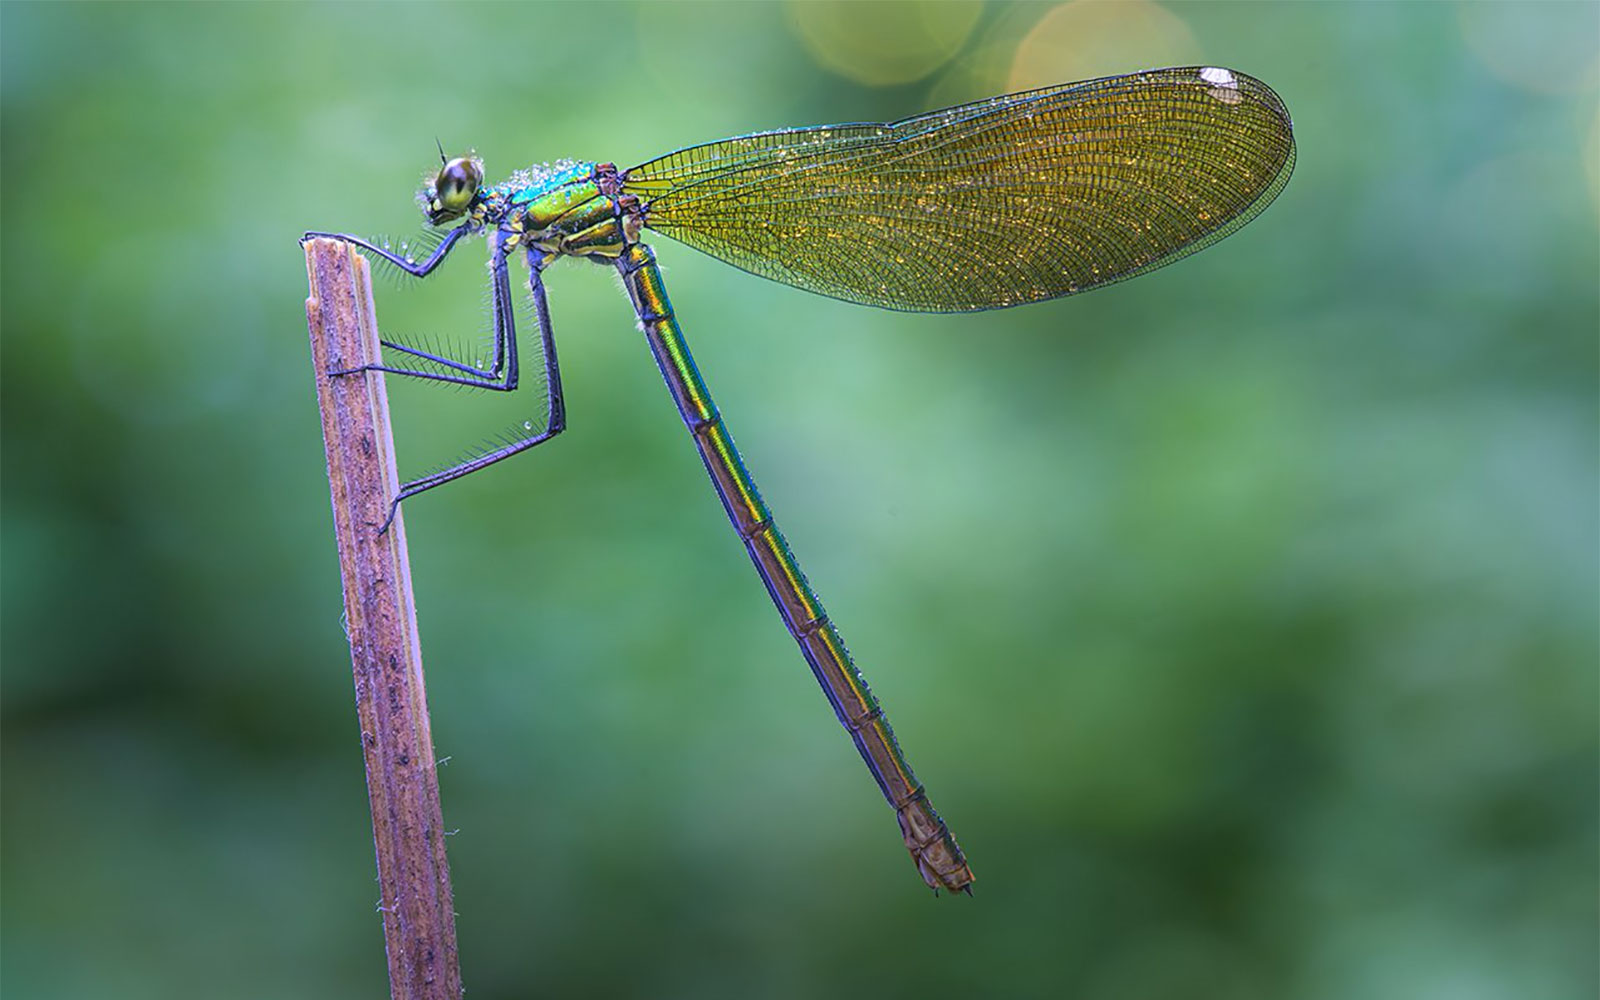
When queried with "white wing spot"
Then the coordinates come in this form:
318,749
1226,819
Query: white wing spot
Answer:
1224,85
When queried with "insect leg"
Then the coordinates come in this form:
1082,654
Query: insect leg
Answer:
412,268
556,410
502,377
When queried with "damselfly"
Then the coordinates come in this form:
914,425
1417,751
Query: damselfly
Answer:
1004,202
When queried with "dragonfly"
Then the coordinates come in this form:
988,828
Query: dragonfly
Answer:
1003,202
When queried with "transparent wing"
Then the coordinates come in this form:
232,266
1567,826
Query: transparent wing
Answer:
1006,201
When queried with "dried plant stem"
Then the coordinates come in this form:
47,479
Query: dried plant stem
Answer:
391,702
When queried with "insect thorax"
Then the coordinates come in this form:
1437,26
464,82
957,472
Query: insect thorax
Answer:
567,208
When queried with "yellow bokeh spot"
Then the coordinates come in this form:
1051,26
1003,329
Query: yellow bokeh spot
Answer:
881,43
983,69
1084,39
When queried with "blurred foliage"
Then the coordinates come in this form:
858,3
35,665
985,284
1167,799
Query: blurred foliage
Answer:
1241,617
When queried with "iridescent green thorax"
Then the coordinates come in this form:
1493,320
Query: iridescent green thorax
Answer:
547,191
569,208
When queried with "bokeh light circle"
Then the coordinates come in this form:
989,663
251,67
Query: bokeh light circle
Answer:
1545,48
1083,40
879,43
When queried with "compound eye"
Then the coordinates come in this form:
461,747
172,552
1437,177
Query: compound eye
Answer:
457,184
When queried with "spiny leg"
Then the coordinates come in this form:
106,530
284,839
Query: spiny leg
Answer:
556,410
412,268
491,374
476,377
500,378
504,347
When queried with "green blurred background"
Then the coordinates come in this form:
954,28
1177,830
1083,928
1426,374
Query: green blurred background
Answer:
1241,618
